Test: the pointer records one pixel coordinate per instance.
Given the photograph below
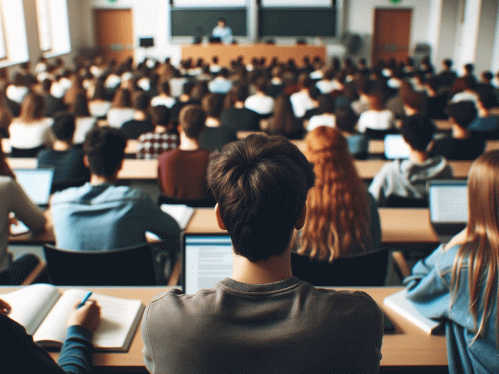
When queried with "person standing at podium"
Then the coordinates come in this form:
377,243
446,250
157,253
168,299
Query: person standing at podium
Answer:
222,32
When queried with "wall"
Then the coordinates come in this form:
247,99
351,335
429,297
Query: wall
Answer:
360,17
150,19
448,32
488,26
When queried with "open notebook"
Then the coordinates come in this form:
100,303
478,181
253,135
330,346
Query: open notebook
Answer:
44,310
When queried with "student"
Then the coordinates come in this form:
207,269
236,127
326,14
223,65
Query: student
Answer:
214,136
301,100
342,217
121,108
221,84
164,97
100,214
53,105
262,319
84,122
64,157
325,115
358,144
235,115
446,77
163,138
173,179
14,200
458,281
140,123
407,178
461,145
485,125
283,121
260,102
99,104
30,133
20,354
376,121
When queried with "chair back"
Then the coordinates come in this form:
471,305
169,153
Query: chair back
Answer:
208,202
131,266
360,270
394,201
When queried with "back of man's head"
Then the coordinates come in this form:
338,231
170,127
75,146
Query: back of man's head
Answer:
105,149
260,184
192,119
141,101
64,127
487,98
463,112
418,131
416,100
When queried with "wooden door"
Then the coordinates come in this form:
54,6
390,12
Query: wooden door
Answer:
114,33
392,28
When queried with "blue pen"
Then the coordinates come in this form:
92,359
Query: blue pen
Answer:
85,299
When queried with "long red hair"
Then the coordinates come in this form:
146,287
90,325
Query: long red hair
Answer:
338,214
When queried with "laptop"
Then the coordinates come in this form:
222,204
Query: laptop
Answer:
448,202
207,259
395,147
37,183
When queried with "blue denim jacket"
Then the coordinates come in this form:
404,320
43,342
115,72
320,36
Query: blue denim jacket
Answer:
429,287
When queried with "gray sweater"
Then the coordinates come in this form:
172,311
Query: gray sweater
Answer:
406,178
283,327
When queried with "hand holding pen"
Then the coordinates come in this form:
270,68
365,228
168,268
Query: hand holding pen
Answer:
85,314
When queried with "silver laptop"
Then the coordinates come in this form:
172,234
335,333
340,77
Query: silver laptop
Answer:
448,202
206,260
37,184
395,147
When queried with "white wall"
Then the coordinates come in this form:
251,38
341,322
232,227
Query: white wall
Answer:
488,22
150,19
448,31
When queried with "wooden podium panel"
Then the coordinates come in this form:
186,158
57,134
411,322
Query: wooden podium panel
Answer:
227,53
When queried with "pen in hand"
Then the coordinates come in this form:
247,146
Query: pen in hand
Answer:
85,299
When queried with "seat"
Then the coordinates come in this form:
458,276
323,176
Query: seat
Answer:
359,270
207,202
394,201
132,266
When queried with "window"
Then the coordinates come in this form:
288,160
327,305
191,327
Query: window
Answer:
44,24
13,32
53,27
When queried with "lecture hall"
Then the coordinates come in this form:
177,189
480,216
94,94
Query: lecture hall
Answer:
258,186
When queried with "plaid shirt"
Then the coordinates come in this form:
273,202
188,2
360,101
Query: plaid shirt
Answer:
152,144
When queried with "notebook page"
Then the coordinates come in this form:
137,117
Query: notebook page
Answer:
119,322
31,304
54,327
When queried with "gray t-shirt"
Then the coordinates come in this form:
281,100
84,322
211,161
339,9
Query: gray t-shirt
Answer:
283,327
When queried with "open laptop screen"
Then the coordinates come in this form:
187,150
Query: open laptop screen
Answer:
395,147
207,259
448,201
37,183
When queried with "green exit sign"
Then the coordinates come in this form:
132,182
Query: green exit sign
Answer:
395,1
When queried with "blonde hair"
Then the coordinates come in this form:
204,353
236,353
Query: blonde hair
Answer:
338,214
480,251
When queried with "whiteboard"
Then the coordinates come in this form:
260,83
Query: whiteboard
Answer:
297,3
210,3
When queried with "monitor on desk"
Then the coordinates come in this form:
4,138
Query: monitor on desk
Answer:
448,203
207,259
395,147
37,183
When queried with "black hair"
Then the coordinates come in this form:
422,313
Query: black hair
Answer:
463,112
418,131
64,127
192,119
105,149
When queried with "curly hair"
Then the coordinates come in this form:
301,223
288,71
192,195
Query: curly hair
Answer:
338,214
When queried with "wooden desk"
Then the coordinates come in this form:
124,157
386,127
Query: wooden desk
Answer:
397,225
377,147
407,347
228,53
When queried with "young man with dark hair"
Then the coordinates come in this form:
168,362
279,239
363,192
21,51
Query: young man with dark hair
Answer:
182,171
101,215
237,117
215,136
407,178
66,159
446,77
485,125
140,124
461,145
262,319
